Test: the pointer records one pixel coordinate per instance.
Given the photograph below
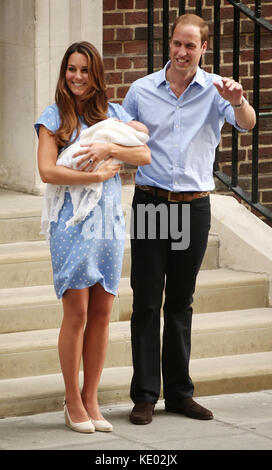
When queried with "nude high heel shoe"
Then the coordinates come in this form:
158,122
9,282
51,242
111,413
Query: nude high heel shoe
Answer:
102,425
85,426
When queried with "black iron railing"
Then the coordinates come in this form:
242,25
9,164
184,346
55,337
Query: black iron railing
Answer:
259,23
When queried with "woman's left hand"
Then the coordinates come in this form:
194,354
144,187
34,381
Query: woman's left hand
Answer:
92,154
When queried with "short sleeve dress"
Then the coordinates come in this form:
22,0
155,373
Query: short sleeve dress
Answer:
92,251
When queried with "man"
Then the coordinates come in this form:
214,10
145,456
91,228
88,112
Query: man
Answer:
184,108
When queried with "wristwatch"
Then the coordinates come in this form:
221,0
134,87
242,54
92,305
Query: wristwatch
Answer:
237,106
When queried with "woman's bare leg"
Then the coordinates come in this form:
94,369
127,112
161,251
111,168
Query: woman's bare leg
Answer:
95,346
75,307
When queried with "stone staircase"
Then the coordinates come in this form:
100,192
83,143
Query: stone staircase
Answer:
232,325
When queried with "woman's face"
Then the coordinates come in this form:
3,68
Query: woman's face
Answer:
77,77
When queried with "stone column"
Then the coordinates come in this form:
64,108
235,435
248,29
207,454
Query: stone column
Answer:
34,35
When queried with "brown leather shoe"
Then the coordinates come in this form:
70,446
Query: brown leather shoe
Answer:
142,413
190,408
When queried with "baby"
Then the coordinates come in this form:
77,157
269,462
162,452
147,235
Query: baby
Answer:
85,197
110,130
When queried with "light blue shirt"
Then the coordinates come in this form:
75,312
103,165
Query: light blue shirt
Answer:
184,132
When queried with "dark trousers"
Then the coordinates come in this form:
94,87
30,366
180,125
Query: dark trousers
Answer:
157,268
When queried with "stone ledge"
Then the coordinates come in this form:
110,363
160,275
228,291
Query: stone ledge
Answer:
245,240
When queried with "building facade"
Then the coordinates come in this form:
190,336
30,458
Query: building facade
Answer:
34,37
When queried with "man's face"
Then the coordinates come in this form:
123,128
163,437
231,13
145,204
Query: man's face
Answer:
186,48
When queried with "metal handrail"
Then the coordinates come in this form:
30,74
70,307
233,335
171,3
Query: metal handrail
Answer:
232,182
256,17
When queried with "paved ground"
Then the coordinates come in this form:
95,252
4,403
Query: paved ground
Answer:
242,422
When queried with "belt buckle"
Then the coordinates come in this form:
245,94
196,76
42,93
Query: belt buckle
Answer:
169,197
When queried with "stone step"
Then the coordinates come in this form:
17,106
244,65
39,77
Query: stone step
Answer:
213,334
211,376
29,263
29,308
216,290
36,307
25,264
20,214
231,332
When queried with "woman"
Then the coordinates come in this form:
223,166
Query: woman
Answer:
86,270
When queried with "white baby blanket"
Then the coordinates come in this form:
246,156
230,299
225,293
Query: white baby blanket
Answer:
85,197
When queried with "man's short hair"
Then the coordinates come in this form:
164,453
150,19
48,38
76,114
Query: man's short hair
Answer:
195,20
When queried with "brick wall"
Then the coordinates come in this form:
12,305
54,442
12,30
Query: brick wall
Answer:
125,59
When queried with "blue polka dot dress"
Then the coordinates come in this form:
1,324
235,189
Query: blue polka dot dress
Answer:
92,251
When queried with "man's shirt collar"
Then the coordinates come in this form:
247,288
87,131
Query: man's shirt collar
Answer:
198,78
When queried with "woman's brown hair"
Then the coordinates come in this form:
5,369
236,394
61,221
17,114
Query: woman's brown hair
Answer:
95,103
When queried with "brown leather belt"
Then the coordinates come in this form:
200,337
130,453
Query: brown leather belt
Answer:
173,197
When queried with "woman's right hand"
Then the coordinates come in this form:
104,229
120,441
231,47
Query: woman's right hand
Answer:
107,170
60,175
